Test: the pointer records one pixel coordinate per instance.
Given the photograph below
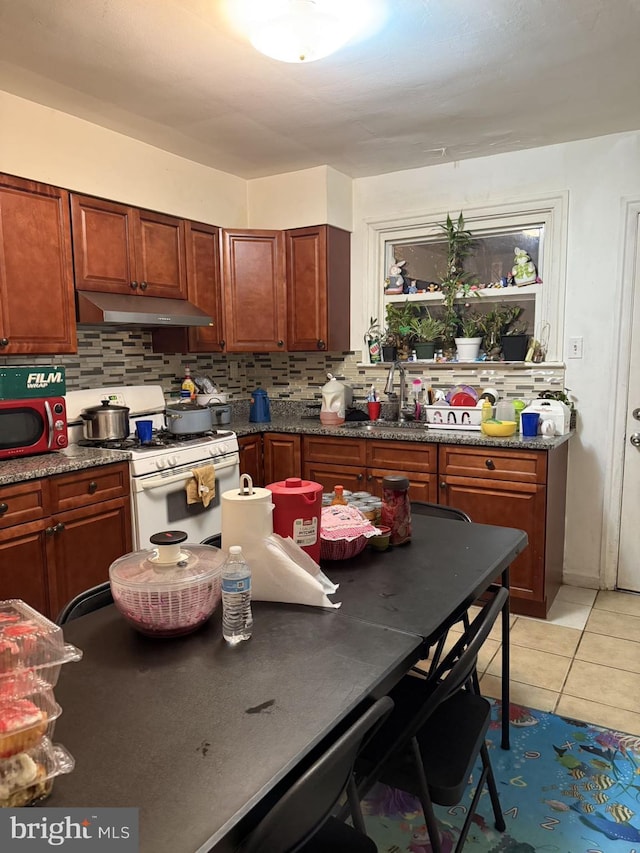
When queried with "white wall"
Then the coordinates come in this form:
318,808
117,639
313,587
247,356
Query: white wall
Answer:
599,175
56,148
296,199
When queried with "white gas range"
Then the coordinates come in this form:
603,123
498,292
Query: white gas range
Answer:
161,469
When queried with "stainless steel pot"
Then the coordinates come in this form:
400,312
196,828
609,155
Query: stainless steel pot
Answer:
186,418
107,422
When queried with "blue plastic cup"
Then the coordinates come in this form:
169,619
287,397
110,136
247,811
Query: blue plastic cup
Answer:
144,430
529,424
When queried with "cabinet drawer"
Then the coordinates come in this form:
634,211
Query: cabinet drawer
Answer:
493,463
21,502
402,456
68,491
335,450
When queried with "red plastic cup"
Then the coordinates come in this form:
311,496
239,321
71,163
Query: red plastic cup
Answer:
374,410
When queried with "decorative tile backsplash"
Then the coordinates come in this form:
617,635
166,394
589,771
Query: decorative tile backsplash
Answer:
123,356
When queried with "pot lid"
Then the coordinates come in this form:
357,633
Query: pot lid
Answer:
295,486
106,405
172,564
186,406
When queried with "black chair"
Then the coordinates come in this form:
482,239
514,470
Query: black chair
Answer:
301,820
431,740
86,602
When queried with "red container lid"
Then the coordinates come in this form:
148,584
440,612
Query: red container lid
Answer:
295,486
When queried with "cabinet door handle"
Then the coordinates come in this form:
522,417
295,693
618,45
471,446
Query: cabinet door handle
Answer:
134,285
322,345
491,465
370,478
280,343
3,508
143,285
58,528
93,487
4,342
360,477
222,344
443,485
49,531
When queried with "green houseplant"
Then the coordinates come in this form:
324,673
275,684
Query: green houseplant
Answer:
456,282
426,331
398,332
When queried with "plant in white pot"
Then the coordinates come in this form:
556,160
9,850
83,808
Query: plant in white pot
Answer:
470,337
456,282
426,331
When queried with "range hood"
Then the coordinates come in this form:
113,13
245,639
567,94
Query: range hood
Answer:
116,309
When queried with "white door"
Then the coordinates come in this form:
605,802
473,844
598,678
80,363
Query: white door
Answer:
629,553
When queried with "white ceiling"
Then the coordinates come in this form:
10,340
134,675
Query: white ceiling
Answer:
441,81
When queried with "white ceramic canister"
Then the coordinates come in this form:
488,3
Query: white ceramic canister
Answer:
247,514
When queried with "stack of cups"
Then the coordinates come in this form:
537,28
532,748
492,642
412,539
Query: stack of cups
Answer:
32,650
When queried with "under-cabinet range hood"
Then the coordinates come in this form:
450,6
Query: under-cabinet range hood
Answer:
116,309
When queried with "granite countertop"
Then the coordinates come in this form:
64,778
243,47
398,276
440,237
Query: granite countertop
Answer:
73,458
417,432
76,458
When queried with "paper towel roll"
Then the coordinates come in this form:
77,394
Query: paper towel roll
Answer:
247,514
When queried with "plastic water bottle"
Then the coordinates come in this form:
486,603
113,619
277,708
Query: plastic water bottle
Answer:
237,620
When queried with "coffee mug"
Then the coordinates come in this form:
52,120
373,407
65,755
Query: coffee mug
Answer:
374,410
529,424
144,430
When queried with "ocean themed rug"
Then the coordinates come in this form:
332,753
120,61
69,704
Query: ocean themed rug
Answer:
565,787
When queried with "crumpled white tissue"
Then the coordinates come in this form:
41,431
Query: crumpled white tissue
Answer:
282,571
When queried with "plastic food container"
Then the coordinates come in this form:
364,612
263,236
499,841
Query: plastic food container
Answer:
32,649
170,589
25,720
28,777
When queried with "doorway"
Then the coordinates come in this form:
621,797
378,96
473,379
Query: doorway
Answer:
629,543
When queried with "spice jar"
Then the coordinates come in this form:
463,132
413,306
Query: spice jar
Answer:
396,508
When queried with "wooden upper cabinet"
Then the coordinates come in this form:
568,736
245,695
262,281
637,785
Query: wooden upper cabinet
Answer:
37,311
121,249
318,288
203,276
254,291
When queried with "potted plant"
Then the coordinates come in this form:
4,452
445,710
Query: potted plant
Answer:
426,331
514,338
398,331
470,336
456,282
495,323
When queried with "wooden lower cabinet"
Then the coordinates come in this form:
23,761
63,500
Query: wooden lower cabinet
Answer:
514,488
367,462
251,458
282,456
82,524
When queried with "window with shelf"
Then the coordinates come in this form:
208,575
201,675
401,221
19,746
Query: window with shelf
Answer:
536,226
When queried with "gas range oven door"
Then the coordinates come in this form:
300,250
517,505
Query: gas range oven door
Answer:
159,501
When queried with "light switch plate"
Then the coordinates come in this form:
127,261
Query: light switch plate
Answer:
575,347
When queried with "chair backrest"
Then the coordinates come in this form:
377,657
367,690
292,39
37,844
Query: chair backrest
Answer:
458,665
308,803
86,602
438,511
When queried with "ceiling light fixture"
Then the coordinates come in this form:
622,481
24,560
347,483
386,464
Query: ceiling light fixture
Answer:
305,30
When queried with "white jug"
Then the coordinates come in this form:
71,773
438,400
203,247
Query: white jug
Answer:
336,396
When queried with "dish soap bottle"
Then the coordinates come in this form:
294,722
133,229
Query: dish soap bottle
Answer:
188,389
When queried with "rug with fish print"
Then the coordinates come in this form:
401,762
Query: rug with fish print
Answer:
565,787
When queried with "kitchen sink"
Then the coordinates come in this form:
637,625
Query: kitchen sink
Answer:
382,426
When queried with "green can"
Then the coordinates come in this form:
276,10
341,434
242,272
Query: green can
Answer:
25,382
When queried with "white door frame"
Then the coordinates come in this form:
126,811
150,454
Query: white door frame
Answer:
629,282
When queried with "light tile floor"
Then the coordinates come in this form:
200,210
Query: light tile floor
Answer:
582,662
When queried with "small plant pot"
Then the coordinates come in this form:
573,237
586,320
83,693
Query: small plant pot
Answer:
514,347
425,350
389,353
468,348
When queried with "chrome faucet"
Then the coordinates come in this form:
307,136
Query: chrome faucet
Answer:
391,394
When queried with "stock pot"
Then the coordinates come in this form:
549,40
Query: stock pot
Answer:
185,418
107,422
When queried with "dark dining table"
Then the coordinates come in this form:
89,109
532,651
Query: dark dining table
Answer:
197,734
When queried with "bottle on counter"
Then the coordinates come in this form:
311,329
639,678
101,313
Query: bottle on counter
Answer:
396,508
237,620
338,497
188,388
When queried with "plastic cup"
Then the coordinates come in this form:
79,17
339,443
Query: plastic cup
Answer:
529,424
144,430
374,410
